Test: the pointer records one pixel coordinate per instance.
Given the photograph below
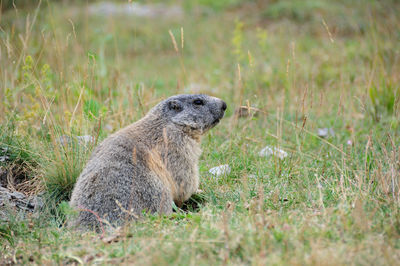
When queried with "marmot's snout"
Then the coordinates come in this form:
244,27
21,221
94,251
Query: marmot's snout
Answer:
217,109
221,112
223,106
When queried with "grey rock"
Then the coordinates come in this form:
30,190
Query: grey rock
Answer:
3,154
14,201
224,169
36,202
17,195
4,158
268,151
325,132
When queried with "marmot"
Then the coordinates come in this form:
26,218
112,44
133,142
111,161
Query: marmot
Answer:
147,165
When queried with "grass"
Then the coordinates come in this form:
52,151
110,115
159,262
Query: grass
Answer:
334,200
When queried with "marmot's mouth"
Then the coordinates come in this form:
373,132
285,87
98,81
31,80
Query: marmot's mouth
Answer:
216,121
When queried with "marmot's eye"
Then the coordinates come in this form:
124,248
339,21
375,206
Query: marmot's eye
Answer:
198,102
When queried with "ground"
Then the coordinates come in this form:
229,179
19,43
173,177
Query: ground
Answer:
69,69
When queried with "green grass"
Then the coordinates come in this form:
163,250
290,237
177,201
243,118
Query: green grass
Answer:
304,64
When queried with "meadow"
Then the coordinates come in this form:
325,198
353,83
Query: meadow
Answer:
67,69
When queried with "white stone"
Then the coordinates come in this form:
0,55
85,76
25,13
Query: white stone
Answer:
268,151
325,132
224,169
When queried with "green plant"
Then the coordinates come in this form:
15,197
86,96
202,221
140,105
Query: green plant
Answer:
385,100
18,161
214,5
297,10
68,158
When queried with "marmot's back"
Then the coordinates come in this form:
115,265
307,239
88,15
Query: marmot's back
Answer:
147,165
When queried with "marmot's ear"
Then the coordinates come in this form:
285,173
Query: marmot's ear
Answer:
175,105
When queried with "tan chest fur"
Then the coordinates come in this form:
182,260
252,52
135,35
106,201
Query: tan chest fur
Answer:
182,178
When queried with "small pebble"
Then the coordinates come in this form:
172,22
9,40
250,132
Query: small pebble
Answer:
224,169
325,132
4,158
268,151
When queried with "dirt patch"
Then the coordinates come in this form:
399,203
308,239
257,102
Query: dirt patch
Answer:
194,203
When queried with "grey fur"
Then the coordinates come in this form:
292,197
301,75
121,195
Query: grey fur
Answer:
147,165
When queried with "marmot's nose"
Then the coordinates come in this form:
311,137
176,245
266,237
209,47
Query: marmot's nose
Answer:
223,106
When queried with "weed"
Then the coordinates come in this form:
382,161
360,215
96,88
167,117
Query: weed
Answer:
17,161
63,168
385,100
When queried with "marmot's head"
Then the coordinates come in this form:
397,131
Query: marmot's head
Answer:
194,113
